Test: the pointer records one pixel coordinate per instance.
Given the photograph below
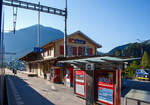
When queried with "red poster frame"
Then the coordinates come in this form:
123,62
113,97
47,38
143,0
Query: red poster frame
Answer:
80,82
107,86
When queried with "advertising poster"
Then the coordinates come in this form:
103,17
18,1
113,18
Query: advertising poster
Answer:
80,89
80,83
105,95
105,87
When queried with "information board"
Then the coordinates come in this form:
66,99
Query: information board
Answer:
106,87
105,95
80,82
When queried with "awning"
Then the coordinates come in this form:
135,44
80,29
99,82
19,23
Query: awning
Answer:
103,59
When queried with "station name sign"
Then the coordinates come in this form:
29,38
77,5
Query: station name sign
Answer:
38,50
77,41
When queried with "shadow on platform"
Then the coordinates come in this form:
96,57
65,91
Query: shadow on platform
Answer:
28,95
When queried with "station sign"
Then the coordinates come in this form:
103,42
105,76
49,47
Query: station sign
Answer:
89,66
77,41
38,50
59,64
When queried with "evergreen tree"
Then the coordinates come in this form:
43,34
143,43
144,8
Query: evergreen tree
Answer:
130,71
145,61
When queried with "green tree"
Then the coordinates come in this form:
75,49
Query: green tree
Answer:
130,71
145,60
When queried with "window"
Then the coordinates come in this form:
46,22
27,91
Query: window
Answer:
84,51
43,54
48,51
88,51
71,50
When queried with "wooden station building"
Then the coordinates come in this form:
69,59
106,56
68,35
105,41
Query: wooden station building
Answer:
45,64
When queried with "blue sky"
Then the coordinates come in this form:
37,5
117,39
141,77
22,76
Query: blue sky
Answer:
109,22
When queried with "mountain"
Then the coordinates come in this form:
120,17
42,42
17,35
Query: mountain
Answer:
118,48
25,39
131,49
100,53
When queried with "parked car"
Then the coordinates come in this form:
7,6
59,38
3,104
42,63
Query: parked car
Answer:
143,74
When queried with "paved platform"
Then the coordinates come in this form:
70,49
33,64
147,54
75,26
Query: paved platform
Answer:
37,91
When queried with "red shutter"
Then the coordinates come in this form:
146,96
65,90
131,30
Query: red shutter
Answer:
61,50
91,51
80,51
75,51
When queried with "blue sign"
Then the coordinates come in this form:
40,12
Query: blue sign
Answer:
38,49
59,65
89,67
105,95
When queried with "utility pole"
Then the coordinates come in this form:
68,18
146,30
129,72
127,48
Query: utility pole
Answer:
38,31
65,32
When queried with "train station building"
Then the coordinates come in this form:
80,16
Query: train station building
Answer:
45,64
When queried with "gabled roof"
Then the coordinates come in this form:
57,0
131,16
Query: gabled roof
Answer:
77,32
86,37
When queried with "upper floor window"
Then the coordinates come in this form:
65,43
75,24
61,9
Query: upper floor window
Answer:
77,51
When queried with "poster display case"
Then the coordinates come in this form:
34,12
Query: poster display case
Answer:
106,87
80,83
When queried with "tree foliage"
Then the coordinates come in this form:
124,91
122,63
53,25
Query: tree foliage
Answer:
130,71
134,50
145,63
